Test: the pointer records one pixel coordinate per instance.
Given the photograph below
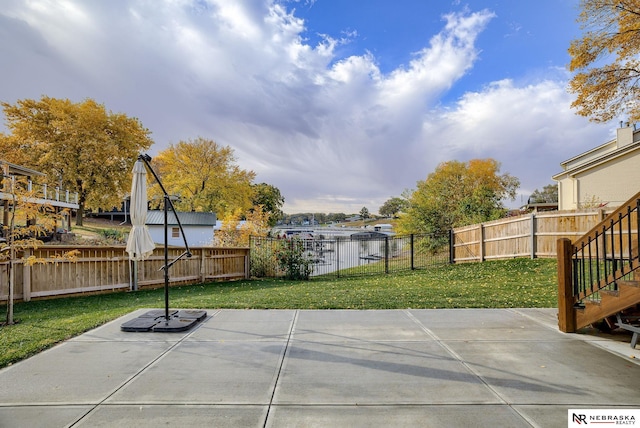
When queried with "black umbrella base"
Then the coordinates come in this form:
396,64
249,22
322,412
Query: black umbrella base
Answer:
156,321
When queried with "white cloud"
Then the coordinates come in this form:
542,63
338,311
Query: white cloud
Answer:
529,128
332,133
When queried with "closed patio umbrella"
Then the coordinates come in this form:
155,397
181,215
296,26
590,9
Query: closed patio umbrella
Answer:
139,245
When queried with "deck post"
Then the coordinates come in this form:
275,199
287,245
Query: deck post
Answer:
566,311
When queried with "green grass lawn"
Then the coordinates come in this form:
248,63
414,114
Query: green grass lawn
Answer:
517,283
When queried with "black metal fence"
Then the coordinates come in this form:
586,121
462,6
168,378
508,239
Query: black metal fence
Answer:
342,256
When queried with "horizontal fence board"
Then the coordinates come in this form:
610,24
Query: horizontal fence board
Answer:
81,290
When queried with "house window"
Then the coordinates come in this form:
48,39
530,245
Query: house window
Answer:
175,232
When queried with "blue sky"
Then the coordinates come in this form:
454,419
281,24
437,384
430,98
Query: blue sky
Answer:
340,104
522,40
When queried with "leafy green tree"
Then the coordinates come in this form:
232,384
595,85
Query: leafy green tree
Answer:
364,213
270,199
336,217
607,60
80,146
548,194
457,194
392,207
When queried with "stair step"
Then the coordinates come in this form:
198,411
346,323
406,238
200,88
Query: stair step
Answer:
629,283
612,302
589,303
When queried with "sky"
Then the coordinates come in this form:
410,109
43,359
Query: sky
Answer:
339,104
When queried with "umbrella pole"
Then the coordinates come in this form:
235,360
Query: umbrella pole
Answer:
166,259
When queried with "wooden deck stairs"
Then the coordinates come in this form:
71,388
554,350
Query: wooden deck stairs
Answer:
599,273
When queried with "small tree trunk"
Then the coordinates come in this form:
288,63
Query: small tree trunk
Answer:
80,214
81,201
12,257
11,288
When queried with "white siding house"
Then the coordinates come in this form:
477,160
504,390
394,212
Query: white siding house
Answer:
198,228
608,174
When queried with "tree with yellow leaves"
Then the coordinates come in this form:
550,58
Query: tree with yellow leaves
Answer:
607,60
236,232
30,220
80,146
205,177
457,194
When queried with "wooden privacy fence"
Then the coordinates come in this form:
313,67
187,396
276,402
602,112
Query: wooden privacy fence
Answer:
531,235
97,268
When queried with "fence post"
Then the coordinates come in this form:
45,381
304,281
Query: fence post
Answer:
202,262
452,251
247,263
338,242
566,311
532,243
411,246
481,226
26,276
386,254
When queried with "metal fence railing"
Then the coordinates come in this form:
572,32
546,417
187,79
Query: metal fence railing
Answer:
344,256
608,253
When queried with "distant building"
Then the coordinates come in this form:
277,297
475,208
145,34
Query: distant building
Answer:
606,175
383,227
198,228
368,235
539,207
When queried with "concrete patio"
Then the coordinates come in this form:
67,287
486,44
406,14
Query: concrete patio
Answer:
295,368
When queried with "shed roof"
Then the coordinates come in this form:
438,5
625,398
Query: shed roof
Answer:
155,217
368,235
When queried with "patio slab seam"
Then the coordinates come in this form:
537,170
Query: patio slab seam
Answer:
131,378
620,349
281,364
458,357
